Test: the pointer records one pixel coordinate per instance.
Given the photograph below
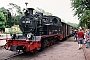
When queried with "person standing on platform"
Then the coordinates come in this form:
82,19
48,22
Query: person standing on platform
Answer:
75,35
87,38
80,35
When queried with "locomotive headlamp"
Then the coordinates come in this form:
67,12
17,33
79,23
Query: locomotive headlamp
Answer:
29,35
13,36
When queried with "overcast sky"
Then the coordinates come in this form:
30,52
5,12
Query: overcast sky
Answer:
60,8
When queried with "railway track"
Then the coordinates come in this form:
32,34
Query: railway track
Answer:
11,56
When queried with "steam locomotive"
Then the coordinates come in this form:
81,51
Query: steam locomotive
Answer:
38,32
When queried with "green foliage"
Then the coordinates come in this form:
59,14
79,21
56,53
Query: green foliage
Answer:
15,18
18,17
80,6
82,10
2,19
86,15
3,10
85,19
7,19
7,16
10,22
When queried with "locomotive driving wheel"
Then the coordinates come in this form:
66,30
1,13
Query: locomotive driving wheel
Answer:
45,43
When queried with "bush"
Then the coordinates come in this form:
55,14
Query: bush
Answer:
12,30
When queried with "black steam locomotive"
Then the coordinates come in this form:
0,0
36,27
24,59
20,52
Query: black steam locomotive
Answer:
39,31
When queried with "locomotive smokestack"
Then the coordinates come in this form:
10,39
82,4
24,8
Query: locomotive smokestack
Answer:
30,10
26,5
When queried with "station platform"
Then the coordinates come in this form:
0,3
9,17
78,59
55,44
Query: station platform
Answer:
2,42
3,38
86,52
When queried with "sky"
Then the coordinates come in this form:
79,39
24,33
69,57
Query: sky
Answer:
60,8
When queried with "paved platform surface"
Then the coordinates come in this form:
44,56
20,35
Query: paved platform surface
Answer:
86,52
3,38
2,42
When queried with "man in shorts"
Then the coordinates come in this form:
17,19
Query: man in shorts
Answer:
80,35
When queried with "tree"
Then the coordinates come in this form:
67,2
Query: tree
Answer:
16,12
85,19
14,8
2,20
8,16
81,7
